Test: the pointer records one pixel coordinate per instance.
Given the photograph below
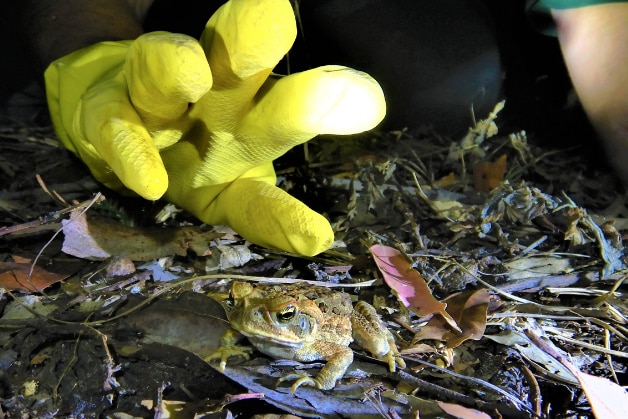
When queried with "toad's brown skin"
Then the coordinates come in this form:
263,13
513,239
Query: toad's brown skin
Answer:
305,323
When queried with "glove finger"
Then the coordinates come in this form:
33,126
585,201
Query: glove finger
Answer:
245,38
113,131
165,72
269,216
325,100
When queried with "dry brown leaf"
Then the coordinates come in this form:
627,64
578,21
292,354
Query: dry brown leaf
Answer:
488,175
18,276
446,181
97,238
607,399
462,412
468,309
408,284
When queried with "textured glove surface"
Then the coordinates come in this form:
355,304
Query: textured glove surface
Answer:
200,122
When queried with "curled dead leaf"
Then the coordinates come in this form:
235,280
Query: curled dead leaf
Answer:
469,310
408,284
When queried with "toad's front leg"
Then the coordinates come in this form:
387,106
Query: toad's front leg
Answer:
229,348
370,334
326,379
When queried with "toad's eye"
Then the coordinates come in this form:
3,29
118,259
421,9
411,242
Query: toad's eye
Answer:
286,314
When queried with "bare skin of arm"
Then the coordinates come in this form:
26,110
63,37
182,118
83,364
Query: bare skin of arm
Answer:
594,42
54,28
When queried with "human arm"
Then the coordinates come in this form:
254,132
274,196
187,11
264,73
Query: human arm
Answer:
594,43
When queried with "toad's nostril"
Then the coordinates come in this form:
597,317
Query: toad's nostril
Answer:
257,315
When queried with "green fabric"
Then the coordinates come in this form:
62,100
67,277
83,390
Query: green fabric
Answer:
539,11
566,4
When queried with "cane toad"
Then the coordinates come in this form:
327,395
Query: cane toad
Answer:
305,323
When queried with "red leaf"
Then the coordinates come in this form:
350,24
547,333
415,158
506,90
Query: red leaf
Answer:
408,283
18,276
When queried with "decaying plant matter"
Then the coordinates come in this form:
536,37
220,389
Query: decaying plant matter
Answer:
497,264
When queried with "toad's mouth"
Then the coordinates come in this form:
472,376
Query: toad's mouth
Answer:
257,338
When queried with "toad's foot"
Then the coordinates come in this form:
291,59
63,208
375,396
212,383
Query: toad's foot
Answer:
229,348
393,358
328,376
306,380
225,352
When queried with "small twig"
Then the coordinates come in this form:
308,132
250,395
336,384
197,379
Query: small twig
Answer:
53,195
68,365
440,392
535,390
478,381
50,218
609,359
532,246
602,299
489,286
549,349
597,348
618,333
80,186
373,395
110,381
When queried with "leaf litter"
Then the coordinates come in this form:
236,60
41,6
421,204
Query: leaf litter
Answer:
497,264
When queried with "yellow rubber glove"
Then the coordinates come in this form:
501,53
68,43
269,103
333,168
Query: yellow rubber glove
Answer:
201,122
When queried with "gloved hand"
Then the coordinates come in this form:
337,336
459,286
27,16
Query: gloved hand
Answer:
201,123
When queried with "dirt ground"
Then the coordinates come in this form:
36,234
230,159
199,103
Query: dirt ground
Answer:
123,336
